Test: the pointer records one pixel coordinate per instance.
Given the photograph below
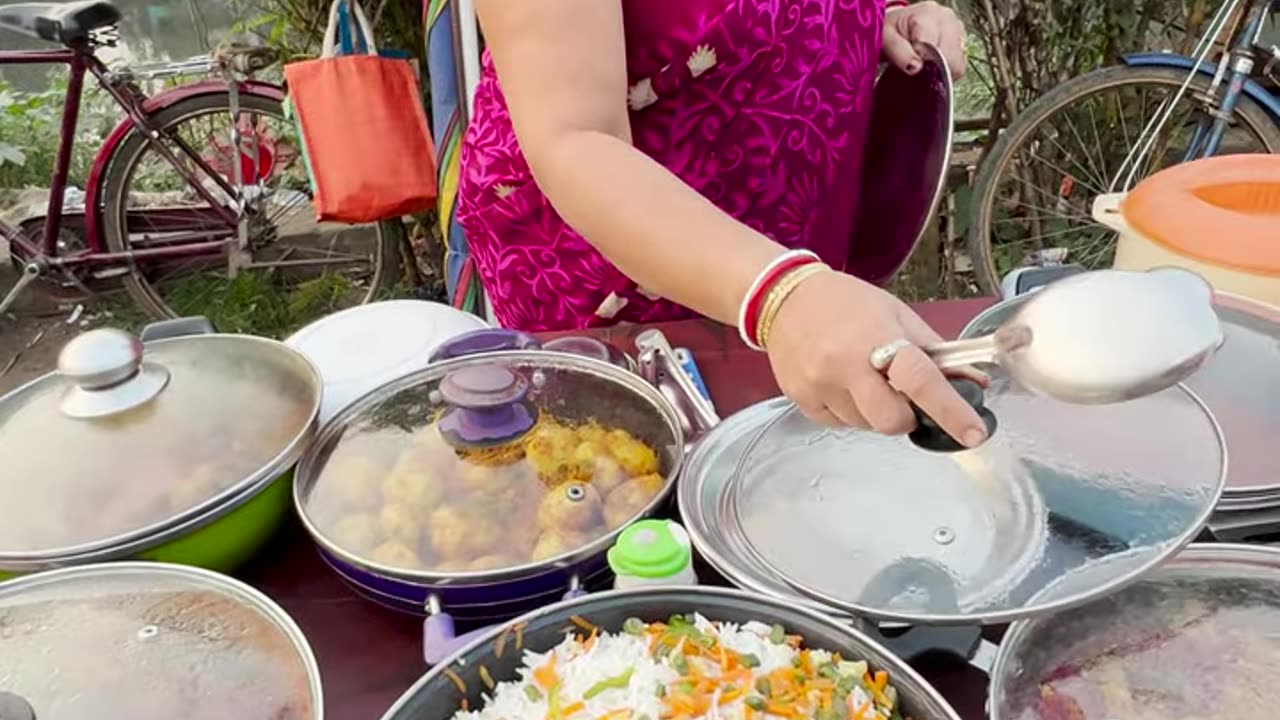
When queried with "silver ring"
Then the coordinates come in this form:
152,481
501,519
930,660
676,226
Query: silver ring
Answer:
882,357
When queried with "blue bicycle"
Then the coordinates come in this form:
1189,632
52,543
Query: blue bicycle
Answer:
1104,131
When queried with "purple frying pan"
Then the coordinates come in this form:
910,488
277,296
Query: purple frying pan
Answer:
905,168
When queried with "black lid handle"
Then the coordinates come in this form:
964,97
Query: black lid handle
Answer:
15,707
930,436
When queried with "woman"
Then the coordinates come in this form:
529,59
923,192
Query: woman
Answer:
646,160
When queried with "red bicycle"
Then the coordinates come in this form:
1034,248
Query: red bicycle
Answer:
198,201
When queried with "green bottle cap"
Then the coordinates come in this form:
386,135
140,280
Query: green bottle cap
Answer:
652,549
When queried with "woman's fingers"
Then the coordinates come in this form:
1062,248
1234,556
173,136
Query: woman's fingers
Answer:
899,51
842,405
885,409
915,375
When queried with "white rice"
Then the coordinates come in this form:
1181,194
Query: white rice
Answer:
579,668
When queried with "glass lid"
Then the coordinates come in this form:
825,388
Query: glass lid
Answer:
908,529
125,438
1197,638
150,642
490,463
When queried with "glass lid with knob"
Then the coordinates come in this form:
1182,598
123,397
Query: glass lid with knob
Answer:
126,437
490,463
150,641
914,529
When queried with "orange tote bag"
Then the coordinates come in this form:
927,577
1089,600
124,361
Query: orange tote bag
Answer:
364,131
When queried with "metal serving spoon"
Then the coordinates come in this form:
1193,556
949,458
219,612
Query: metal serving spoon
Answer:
1101,337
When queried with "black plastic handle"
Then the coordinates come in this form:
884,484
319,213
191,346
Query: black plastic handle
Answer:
930,436
177,327
15,707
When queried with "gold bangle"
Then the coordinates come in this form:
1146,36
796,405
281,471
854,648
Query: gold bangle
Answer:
778,296
769,307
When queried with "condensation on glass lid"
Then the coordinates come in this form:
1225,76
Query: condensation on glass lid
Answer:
1195,640
222,418
877,526
400,489
142,645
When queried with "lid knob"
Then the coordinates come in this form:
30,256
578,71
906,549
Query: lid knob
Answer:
15,707
107,374
488,406
488,340
652,549
590,347
930,436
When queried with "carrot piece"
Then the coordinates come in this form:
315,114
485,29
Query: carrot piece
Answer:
881,680
572,708
582,623
545,675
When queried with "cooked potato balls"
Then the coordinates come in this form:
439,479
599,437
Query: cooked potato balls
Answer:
634,456
493,562
463,533
557,542
414,485
396,555
356,533
572,506
630,498
354,482
401,523
411,501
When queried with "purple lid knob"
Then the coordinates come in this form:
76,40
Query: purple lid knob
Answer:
589,347
487,340
488,406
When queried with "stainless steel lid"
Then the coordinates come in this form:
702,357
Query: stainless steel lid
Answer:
882,527
126,439
488,465
1197,638
151,642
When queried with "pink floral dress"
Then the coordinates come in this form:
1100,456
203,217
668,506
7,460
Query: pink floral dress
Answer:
762,106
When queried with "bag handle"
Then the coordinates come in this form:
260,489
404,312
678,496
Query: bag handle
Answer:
328,50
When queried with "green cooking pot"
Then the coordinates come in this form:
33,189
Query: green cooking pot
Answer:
179,449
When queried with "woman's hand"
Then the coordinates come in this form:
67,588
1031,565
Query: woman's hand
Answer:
820,348
923,23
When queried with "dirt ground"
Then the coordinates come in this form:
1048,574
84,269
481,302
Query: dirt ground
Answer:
34,331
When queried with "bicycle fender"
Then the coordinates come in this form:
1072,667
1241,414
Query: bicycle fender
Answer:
1252,87
97,172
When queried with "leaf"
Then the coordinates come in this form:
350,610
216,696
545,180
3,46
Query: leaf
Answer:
12,155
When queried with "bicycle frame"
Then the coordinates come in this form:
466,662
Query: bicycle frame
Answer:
81,61
1244,19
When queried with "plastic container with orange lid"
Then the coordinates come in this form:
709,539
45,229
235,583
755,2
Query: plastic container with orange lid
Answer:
1219,217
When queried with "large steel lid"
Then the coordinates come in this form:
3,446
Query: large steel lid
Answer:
150,642
1239,385
1197,638
489,464
883,527
126,438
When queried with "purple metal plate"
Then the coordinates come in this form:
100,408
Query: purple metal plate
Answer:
473,603
905,168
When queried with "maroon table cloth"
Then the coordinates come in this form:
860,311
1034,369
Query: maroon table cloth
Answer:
369,655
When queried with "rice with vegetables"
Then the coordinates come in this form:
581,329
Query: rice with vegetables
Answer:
686,668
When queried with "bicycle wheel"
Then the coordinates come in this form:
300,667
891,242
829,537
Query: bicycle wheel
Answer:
299,270
1033,196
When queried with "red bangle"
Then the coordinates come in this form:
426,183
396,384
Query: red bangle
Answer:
889,4
754,301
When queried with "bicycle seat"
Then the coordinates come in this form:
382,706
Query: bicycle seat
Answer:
66,23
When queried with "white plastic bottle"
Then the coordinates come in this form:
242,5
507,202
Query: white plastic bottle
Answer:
652,553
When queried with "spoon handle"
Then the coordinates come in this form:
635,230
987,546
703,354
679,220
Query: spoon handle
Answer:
956,353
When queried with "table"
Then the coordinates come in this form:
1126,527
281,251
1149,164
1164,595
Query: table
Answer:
369,655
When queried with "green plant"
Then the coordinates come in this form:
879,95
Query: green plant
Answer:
296,27
29,126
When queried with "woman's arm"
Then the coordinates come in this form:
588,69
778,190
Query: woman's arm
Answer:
562,65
